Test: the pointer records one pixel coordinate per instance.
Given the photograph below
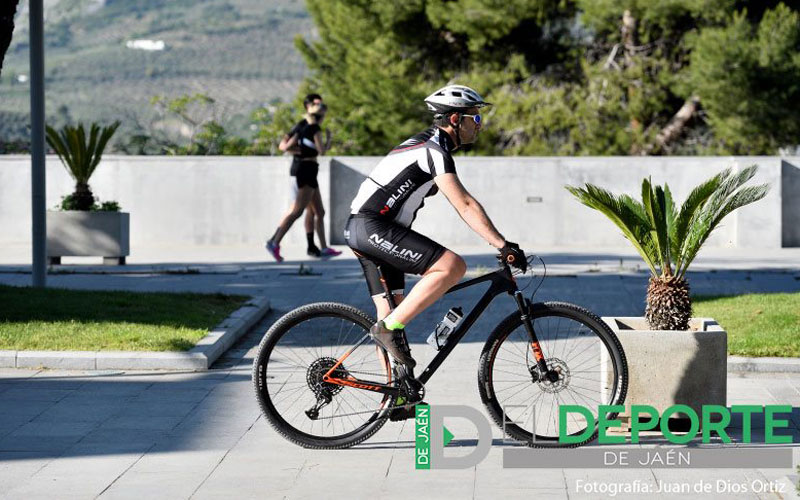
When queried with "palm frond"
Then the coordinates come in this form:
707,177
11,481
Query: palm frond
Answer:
671,216
723,201
664,236
59,144
94,131
653,207
642,229
105,136
661,229
79,157
689,212
624,214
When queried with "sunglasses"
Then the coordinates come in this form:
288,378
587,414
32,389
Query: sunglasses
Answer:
476,118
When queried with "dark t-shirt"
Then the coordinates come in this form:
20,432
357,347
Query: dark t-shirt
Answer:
306,132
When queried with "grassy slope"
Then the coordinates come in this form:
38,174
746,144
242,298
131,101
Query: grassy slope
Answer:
79,320
240,52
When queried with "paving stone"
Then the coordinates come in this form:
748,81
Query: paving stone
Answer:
172,435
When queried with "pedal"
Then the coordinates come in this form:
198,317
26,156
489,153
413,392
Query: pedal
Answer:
405,412
414,390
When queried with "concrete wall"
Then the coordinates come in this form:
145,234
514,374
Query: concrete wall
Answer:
239,200
172,200
790,201
526,199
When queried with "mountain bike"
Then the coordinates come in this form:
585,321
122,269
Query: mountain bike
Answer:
323,383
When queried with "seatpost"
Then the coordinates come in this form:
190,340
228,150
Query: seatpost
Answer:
386,292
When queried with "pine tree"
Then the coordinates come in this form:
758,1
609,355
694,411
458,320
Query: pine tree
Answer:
569,77
8,9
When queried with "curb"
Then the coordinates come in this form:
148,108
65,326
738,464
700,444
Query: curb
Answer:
199,358
741,364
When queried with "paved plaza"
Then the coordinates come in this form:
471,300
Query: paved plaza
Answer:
200,435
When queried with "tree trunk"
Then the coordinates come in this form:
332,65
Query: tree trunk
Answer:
668,304
628,32
83,197
628,36
8,9
675,126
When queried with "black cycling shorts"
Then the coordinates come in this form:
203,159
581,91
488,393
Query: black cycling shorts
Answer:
397,249
305,173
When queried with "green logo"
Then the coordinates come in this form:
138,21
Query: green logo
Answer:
423,437
714,418
431,437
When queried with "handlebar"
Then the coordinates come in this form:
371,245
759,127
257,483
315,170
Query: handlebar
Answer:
509,261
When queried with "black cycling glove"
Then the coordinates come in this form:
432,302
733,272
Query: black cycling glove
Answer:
513,256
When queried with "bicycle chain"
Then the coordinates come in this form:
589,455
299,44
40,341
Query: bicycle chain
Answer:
391,408
347,370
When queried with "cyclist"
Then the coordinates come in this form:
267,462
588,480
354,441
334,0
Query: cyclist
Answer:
379,228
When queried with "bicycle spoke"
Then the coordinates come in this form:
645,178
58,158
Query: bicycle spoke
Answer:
574,350
301,354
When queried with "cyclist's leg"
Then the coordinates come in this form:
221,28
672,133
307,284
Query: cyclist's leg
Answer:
445,272
395,280
408,251
382,305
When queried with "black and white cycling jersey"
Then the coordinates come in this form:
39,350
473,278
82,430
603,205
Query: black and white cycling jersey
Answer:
397,187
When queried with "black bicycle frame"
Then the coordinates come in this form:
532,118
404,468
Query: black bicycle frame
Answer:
502,282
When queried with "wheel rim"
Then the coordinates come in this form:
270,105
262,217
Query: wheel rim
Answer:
296,362
587,376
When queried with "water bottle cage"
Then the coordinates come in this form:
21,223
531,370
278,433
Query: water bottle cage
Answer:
445,328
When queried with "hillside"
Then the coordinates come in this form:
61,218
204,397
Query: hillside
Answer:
239,52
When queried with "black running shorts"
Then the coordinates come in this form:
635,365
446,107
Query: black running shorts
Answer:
305,173
399,250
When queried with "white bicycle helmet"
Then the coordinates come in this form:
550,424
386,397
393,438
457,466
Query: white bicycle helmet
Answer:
454,98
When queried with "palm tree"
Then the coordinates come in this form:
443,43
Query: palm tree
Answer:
79,158
667,239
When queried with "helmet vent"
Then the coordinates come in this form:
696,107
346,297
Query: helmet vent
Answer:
454,98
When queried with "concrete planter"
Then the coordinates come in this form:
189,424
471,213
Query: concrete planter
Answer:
72,233
674,367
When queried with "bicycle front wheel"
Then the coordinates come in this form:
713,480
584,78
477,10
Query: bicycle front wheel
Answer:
579,347
288,373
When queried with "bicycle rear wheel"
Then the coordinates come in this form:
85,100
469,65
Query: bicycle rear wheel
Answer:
579,346
287,373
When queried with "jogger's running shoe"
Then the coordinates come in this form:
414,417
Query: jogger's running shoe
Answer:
313,251
329,252
395,343
274,250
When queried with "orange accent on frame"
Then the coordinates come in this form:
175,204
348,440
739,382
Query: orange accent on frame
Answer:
351,381
327,376
537,351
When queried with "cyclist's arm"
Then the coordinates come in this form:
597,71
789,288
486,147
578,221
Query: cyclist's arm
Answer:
469,209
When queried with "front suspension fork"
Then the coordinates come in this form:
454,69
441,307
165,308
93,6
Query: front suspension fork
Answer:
524,311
